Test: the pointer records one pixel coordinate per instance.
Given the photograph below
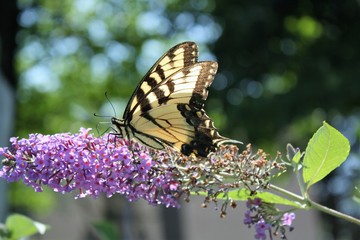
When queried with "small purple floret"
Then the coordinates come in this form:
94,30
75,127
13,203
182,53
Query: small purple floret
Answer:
288,218
261,227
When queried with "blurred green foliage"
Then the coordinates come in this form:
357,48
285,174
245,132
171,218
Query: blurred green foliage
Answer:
25,199
295,63
72,52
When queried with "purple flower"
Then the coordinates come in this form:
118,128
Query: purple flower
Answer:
287,219
249,203
66,162
173,185
260,235
261,227
257,202
248,219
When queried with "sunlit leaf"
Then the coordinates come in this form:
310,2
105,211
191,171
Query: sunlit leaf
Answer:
244,194
21,226
326,150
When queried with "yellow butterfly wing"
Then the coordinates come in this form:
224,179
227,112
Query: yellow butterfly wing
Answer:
167,106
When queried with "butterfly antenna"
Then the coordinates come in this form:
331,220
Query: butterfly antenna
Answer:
103,116
112,106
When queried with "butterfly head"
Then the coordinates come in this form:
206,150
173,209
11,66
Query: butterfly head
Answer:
119,126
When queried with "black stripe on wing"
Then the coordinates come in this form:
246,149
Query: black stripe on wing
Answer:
178,57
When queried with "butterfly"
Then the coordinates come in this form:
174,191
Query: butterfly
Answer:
166,108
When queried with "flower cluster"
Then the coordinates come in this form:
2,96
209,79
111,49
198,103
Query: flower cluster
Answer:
108,165
265,218
67,162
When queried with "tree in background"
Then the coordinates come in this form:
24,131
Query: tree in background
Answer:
286,66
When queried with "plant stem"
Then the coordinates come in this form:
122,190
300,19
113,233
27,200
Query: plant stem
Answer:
334,212
287,193
311,204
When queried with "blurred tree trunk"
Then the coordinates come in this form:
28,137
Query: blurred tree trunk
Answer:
8,82
140,221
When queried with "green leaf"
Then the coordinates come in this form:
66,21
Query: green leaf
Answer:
21,226
297,160
297,157
294,156
326,150
107,230
244,194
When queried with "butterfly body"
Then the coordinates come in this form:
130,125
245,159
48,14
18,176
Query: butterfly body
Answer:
166,108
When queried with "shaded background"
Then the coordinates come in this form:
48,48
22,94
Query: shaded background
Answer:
284,67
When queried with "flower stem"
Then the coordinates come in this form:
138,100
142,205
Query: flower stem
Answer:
334,212
311,204
289,194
